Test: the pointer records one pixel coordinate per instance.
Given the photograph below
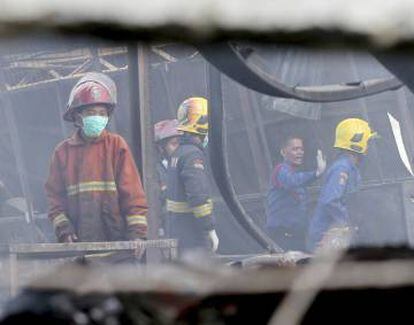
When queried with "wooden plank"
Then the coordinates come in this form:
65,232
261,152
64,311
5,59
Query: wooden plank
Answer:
69,249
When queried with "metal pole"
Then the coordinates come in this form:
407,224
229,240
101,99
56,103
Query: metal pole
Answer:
134,98
148,148
63,126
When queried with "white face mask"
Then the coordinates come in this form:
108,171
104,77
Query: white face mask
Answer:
94,125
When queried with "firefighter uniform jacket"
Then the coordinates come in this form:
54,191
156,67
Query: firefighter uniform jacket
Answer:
94,190
287,200
341,179
188,195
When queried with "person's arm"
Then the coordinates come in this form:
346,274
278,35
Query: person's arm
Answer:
197,188
288,178
132,198
57,198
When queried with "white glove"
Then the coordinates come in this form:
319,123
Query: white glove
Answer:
214,241
321,163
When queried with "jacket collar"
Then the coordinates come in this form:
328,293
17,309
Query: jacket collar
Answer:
191,139
292,166
348,158
77,140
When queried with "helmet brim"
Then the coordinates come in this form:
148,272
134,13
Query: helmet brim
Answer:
69,115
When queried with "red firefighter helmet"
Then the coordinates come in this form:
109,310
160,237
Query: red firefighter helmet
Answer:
166,129
93,88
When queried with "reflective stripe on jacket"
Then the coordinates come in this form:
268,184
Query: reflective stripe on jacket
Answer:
189,204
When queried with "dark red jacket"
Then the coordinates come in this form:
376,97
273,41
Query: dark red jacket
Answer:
94,190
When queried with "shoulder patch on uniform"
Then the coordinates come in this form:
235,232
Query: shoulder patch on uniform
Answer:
343,178
198,163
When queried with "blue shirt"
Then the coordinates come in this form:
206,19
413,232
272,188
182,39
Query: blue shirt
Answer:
342,178
287,200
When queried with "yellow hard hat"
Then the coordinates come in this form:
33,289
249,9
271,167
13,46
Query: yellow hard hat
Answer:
192,116
353,134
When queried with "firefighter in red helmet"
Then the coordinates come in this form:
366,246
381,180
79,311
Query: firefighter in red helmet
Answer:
167,139
94,189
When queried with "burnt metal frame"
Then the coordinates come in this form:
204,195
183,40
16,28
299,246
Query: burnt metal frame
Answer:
236,63
75,63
